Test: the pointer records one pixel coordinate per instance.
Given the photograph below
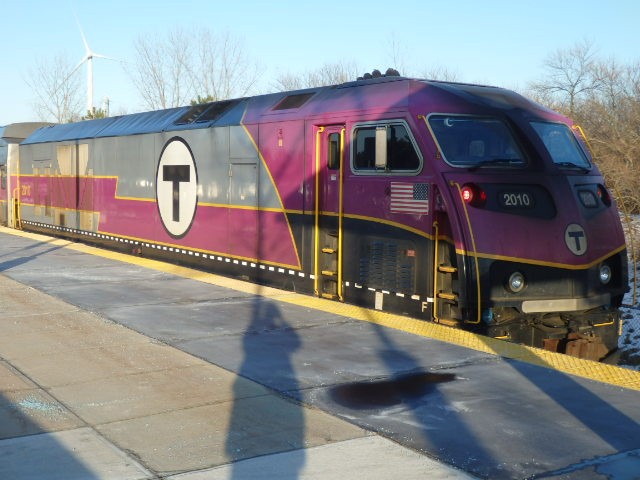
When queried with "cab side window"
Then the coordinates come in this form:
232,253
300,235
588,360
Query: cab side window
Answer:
333,162
402,155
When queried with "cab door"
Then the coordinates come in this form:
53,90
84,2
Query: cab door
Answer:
328,231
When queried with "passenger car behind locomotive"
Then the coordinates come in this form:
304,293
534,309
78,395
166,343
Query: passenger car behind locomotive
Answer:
463,204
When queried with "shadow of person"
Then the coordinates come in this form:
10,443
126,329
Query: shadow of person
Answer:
266,424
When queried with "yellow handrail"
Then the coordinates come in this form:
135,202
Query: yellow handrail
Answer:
316,259
584,136
17,221
435,272
340,216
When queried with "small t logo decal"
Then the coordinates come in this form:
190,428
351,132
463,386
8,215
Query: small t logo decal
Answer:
576,239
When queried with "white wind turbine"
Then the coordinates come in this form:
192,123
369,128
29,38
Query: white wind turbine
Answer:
88,58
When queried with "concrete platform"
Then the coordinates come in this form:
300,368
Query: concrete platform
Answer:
115,370
82,397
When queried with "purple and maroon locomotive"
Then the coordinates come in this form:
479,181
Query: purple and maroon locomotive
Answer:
460,204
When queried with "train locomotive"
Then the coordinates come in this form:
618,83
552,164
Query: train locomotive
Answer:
461,204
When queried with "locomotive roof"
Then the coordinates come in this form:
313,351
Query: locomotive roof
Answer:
232,112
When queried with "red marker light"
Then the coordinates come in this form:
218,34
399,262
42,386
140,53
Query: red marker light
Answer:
473,195
603,195
467,194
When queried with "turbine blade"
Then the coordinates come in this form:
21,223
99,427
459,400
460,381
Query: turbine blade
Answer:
97,55
84,40
69,75
75,69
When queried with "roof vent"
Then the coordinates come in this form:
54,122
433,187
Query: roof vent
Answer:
215,110
295,100
205,112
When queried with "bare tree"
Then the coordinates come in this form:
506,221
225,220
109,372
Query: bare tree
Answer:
56,89
603,96
173,71
612,119
606,103
570,74
397,54
290,81
220,68
439,72
327,74
160,71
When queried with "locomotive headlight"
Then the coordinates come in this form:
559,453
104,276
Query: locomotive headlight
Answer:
516,282
605,273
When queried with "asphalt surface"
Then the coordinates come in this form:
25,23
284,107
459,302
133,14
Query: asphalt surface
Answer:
114,370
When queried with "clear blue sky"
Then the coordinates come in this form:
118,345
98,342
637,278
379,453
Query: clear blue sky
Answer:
499,42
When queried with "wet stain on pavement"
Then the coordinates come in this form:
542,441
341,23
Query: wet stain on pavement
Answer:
388,392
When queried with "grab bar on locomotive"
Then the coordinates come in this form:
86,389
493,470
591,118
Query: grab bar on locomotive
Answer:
473,244
475,253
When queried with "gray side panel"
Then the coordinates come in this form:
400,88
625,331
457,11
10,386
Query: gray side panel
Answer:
102,156
268,196
134,165
242,188
215,164
241,145
45,151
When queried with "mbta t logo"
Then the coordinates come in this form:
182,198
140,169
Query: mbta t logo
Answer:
576,239
177,187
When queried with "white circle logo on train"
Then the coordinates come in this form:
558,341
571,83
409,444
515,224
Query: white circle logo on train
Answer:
177,187
576,239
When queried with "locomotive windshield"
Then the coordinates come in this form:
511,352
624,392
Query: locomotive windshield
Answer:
473,142
562,145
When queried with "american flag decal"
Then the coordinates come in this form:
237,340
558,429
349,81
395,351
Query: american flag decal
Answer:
409,197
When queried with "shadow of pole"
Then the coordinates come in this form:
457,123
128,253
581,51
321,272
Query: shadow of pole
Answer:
18,261
264,425
611,425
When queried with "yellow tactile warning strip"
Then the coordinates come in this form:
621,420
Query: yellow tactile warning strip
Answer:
610,374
